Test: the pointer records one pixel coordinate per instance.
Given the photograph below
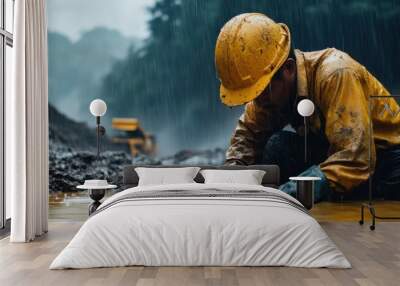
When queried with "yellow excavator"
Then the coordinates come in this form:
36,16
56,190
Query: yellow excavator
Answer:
132,134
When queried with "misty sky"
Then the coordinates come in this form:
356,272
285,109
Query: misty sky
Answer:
71,17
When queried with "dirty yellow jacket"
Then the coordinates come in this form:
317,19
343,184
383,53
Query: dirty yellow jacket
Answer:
340,88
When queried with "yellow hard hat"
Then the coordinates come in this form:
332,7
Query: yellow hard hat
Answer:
250,49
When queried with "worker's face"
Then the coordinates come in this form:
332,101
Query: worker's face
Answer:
278,93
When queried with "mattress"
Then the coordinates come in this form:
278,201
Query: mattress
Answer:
201,225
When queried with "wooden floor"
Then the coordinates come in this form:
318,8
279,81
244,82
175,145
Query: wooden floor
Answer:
374,255
350,211
74,207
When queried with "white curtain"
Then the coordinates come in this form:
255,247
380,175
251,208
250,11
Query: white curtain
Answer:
27,123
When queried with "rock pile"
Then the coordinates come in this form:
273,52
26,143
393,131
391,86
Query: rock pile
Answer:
69,168
72,157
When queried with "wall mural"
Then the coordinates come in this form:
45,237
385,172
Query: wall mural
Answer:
152,62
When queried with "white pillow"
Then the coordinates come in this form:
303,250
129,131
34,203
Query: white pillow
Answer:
248,177
163,176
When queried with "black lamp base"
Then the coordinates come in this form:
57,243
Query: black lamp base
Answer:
96,196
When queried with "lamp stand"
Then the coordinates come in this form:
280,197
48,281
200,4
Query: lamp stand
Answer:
98,136
100,131
305,140
369,205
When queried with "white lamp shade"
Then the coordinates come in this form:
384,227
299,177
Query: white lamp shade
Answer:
305,107
98,107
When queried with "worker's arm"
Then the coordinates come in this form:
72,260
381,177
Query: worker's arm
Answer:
254,128
345,108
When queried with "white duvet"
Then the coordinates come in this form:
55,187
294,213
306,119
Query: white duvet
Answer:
200,231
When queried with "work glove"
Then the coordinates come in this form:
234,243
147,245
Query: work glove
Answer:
321,188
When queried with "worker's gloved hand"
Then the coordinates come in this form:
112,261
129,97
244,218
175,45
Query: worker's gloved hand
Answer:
289,188
321,188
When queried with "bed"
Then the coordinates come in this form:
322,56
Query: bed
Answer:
198,224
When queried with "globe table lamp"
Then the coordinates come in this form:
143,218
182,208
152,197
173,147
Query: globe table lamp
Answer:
305,184
305,108
98,108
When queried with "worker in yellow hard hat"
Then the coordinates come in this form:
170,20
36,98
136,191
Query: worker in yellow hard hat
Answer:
257,67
